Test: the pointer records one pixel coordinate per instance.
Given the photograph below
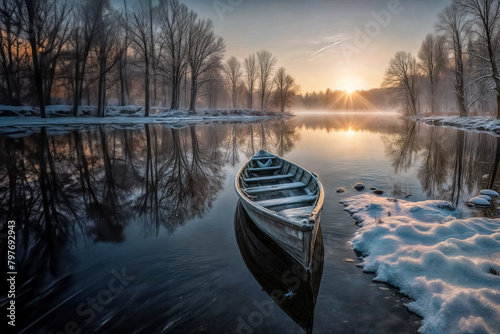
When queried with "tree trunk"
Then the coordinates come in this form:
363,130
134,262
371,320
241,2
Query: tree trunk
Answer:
494,167
35,57
101,95
146,90
192,103
250,95
124,92
79,73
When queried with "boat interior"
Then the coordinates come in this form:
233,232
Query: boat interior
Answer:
280,186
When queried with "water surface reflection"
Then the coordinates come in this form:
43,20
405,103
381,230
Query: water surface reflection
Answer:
159,202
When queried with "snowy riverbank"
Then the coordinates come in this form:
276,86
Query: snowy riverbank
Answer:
449,266
59,119
476,123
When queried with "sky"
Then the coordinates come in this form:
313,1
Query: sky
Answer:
336,44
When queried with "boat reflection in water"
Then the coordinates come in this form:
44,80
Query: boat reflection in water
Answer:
286,281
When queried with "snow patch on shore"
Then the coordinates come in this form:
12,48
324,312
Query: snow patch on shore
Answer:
59,119
449,266
477,123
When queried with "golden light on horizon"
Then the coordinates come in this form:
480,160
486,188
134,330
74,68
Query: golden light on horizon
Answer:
350,85
350,132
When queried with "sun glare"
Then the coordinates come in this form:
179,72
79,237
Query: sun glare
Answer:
350,132
350,85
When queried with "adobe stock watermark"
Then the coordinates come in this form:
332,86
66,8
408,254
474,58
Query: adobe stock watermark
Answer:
88,309
223,6
363,36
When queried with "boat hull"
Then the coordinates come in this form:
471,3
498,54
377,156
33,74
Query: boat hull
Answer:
295,240
296,237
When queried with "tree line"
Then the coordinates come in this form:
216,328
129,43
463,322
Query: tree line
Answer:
367,100
462,58
155,52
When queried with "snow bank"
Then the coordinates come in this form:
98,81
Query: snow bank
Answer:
478,123
449,266
59,119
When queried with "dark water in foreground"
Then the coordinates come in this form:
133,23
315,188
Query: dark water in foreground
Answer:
136,230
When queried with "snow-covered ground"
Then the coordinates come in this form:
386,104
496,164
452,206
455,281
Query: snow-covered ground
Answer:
477,123
59,118
450,267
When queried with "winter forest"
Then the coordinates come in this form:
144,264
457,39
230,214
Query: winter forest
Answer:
162,54
152,53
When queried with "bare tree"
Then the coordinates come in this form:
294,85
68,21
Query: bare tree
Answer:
250,66
401,77
47,30
205,53
433,61
82,38
486,17
232,70
108,51
285,90
33,9
266,63
453,25
142,35
175,20
123,61
13,53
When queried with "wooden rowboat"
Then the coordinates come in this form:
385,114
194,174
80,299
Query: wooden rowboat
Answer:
284,200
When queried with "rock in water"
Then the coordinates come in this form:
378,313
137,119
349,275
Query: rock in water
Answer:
478,201
359,186
378,192
341,190
489,192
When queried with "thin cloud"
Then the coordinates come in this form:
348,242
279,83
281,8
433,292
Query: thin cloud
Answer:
323,49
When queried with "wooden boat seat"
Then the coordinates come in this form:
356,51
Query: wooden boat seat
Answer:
275,187
268,178
263,158
286,200
297,213
264,169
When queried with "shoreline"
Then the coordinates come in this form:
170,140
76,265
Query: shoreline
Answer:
59,118
472,123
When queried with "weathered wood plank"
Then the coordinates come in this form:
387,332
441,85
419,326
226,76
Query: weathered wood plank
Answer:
286,200
264,169
294,213
264,158
268,178
274,187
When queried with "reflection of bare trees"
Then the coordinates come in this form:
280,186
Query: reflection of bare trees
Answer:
403,147
494,167
455,164
91,184
286,136
278,137
37,191
456,188
433,171
181,182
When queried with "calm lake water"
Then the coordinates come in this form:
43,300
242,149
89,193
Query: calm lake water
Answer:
138,229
